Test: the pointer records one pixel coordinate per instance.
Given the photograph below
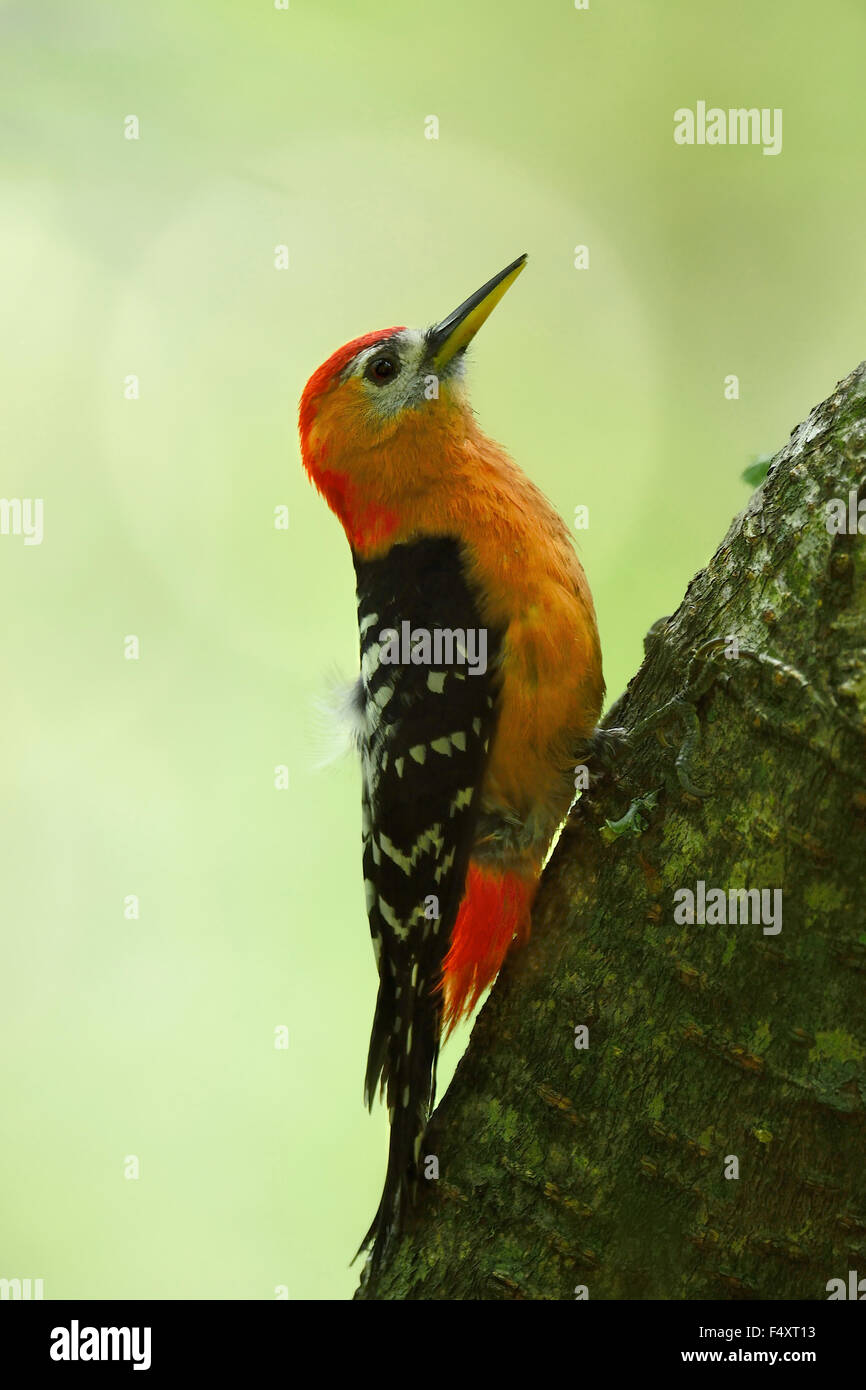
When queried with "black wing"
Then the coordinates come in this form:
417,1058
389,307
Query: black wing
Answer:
427,725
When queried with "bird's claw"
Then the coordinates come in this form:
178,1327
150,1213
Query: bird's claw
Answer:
701,675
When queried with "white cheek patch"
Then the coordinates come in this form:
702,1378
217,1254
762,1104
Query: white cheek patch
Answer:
409,388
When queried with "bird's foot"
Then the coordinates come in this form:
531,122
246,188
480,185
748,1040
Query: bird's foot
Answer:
701,675
606,746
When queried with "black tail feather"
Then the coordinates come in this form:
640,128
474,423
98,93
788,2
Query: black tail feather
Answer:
404,1047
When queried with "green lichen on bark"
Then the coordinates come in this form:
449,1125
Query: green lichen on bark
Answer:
604,1167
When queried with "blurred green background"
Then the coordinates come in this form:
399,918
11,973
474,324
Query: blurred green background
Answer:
260,127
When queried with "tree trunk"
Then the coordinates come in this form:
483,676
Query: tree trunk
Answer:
608,1170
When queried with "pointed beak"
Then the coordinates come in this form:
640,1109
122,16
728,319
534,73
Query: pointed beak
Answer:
448,337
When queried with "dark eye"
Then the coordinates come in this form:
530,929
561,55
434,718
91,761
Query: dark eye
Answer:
383,368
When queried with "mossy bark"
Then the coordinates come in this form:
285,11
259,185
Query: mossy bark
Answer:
604,1167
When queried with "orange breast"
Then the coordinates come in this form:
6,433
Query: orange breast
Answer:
531,584
438,474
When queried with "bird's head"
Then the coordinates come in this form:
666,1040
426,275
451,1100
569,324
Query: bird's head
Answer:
381,418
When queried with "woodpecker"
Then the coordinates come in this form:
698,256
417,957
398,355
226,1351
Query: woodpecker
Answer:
467,743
